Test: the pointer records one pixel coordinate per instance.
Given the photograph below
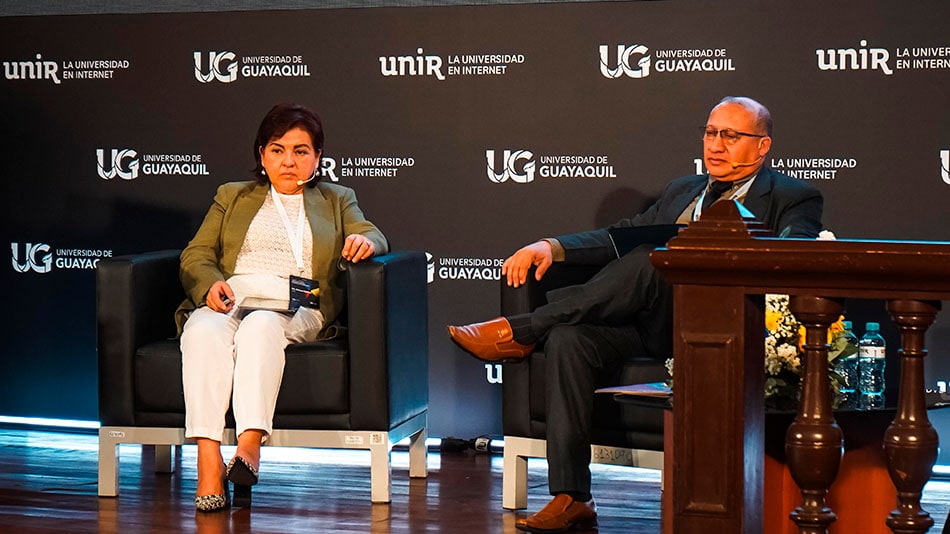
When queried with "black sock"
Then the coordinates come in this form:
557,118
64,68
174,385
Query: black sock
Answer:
521,329
577,495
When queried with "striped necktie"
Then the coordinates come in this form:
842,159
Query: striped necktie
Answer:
715,190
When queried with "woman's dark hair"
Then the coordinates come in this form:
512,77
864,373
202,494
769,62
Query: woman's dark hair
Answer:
278,121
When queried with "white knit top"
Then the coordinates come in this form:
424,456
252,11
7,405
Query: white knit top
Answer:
267,249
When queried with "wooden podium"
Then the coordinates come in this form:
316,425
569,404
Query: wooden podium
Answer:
720,268
861,496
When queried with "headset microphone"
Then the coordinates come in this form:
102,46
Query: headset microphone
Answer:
736,164
301,182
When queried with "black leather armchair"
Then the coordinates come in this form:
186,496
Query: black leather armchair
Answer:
367,389
623,434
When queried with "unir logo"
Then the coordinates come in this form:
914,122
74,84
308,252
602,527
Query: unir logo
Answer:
511,168
42,265
32,70
624,65
221,66
328,168
418,65
124,164
862,58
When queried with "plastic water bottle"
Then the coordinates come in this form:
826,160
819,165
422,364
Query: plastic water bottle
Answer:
871,352
848,369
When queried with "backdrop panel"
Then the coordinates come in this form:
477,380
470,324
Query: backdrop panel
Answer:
466,132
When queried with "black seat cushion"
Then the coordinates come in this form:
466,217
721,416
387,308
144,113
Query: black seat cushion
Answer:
615,424
315,379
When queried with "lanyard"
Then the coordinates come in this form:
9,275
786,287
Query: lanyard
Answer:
294,236
698,210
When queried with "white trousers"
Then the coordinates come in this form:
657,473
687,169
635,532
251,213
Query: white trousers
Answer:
221,354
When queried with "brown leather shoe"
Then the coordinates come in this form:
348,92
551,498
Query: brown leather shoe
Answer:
490,341
561,515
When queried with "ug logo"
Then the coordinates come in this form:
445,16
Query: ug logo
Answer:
624,61
124,164
36,258
945,166
221,66
511,166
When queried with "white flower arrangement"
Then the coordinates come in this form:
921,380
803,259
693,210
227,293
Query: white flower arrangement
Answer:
783,364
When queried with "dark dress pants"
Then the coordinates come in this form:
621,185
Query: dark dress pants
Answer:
588,332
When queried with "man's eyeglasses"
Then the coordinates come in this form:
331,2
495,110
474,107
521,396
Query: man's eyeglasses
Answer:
728,135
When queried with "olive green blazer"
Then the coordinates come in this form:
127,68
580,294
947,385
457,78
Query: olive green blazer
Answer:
331,210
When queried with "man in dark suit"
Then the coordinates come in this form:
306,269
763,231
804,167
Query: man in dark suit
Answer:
591,328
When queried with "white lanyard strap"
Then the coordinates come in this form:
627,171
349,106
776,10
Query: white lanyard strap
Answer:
294,236
698,210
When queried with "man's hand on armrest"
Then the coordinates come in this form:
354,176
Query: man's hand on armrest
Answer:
517,265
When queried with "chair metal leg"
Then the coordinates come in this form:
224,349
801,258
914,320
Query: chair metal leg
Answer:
514,493
163,459
379,445
380,467
108,463
111,436
418,455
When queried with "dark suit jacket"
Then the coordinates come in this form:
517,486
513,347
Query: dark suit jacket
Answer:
788,206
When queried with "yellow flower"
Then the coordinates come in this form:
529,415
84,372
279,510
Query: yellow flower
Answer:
834,331
838,326
772,318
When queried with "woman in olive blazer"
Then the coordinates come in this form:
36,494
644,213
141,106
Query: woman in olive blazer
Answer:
255,236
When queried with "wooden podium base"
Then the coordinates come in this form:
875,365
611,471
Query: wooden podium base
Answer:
862,495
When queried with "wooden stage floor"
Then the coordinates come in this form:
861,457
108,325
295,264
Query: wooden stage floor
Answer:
48,484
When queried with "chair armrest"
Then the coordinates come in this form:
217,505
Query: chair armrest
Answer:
388,329
136,297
